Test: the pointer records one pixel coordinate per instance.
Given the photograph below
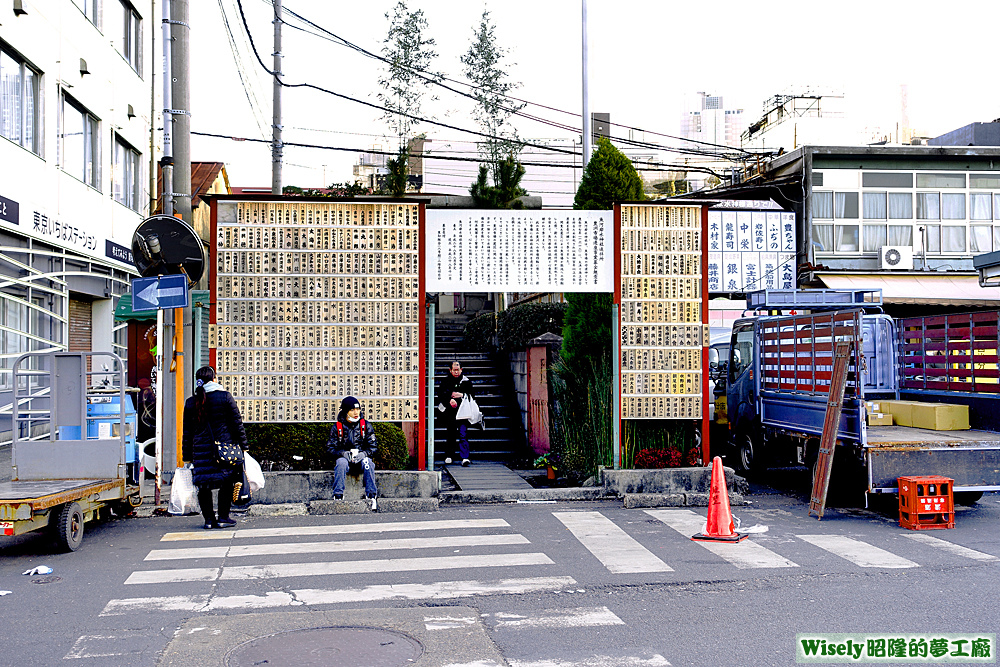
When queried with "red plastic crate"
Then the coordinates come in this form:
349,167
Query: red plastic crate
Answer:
926,503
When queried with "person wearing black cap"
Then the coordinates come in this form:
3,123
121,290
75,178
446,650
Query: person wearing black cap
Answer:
352,444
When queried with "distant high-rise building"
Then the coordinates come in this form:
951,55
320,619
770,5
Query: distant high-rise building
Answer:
706,119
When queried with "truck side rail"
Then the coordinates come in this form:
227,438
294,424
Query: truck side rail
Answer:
796,367
950,352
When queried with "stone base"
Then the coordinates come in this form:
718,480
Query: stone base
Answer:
385,505
640,500
281,509
306,486
668,481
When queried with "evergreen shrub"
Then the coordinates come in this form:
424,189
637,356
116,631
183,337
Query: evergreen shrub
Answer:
275,445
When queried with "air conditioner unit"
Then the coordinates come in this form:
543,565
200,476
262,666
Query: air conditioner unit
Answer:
896,257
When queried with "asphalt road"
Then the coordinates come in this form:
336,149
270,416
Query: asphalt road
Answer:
531,585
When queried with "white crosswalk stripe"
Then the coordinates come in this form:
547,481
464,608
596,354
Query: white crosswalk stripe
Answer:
857,552
596,661
950,547
744,555
334,547
314,596
336,567
335,529
616,549
559,618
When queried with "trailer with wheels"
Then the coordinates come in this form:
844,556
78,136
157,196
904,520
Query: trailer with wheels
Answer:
69,460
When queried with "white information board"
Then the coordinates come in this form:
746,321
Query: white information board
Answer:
519,251
750,250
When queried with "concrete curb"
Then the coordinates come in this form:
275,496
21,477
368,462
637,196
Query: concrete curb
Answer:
385,506
641,500
481,497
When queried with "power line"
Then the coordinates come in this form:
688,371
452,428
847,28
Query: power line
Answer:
434,80
562,165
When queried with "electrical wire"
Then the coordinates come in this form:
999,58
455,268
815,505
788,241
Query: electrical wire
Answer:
254,107
436,79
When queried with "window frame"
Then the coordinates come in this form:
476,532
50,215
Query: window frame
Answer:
131,36
91,142
35,144
131,196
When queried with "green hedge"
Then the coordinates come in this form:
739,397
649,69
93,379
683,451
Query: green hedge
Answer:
511,330
276,445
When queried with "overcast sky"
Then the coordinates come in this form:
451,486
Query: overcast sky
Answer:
645,56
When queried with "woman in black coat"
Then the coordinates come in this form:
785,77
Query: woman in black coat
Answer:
211,416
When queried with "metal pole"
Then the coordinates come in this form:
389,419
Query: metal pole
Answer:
616,399
167,162
587,121
431,314
159,405
181,108
276,145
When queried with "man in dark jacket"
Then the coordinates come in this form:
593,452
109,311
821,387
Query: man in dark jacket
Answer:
453,388
352,444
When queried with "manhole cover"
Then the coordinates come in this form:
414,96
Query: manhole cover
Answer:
328,647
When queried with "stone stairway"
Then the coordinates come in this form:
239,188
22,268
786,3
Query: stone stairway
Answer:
503,439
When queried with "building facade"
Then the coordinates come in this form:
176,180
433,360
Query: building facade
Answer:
706,119
75,114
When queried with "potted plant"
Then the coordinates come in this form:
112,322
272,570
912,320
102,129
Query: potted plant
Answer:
547,461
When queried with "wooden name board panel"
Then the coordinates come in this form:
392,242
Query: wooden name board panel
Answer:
315,301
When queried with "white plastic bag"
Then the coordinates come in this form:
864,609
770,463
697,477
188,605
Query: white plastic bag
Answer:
469,410
255,476
183,499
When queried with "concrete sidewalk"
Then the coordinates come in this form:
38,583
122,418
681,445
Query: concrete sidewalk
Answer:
310,492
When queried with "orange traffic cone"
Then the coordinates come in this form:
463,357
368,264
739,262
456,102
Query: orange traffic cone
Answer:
720,526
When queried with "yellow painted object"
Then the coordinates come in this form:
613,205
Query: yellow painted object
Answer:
941,417
879,419
721,415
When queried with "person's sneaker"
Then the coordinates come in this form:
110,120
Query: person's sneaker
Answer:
338,496
211,526
227,523
466,463
447,460
374,500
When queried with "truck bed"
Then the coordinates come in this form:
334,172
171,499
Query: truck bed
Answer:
907,436
43,494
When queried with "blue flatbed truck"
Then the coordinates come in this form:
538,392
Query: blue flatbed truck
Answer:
778,378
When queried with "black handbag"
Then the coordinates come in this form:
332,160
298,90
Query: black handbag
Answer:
241,489
228,453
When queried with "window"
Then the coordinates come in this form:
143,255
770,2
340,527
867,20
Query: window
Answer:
928,206
877,236
823,205
90,9
79,142
980,238
874,205
817,179
125,26
900,206
845,205
887,180
941,180
125,175
980,206
953,206
19,101
991,181
741,353
846,239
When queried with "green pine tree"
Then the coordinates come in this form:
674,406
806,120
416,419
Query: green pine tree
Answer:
609,178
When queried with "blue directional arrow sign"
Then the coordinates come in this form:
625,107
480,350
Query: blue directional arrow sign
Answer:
161,292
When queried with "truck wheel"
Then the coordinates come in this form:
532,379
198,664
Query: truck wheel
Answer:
67,527
968,497
746,462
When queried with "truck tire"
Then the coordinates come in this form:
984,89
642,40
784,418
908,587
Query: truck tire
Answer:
746,451
967,497
67,527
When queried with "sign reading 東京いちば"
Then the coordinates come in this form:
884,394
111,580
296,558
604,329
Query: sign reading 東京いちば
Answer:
315,301
750,249
519,251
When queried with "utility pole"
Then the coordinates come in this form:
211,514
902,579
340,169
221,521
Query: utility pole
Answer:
588,134
277,147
